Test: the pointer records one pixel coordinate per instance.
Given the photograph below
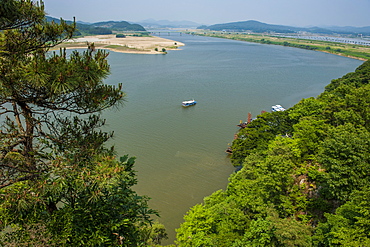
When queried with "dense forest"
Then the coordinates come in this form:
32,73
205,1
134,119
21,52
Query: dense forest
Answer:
304,179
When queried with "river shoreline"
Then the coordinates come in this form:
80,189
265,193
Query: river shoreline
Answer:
129,44
357,52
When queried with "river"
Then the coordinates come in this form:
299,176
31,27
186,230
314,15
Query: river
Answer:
180,151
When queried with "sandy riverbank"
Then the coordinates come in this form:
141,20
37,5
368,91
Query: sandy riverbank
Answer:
130,44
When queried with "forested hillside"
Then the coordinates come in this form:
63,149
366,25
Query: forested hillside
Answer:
101,28
304,179
120,26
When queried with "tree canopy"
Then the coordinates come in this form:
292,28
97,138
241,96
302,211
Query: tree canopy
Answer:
59,184
304,179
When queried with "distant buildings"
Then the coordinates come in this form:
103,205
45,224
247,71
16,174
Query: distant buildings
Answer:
355,41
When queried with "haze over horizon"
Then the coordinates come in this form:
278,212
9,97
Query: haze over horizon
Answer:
283,12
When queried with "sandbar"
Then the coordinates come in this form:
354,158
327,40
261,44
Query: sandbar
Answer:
129,44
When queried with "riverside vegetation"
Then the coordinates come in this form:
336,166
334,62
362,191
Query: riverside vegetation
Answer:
304,179
349,50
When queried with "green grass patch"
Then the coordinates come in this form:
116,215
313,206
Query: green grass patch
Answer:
122,47
348,50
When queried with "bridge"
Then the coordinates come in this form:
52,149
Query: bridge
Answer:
157,32
166,33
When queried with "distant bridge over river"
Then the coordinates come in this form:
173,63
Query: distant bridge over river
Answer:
158,32
166,33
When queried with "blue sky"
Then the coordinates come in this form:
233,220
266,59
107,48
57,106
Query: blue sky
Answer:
284,12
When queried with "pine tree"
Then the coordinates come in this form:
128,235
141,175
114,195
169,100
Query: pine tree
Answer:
59,184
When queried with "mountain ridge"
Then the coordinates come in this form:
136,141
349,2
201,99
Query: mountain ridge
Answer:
260,27
104,27
151,23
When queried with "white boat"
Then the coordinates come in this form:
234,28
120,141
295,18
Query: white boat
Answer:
277,108
188,103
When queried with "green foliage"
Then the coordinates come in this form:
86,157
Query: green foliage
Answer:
347,104
30,235
304,180
350,225
355,79
264,183
345,157
14,14
274,231
258,133
309,133
153,234
120,35
60,186
82,203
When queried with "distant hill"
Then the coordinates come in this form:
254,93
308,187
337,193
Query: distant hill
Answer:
260,27
119,26
101,28
84,29
254,26
152,24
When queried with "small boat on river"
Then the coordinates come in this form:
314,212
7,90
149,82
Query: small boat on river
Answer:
187,103
277,108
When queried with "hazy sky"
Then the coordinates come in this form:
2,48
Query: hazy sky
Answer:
284,12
